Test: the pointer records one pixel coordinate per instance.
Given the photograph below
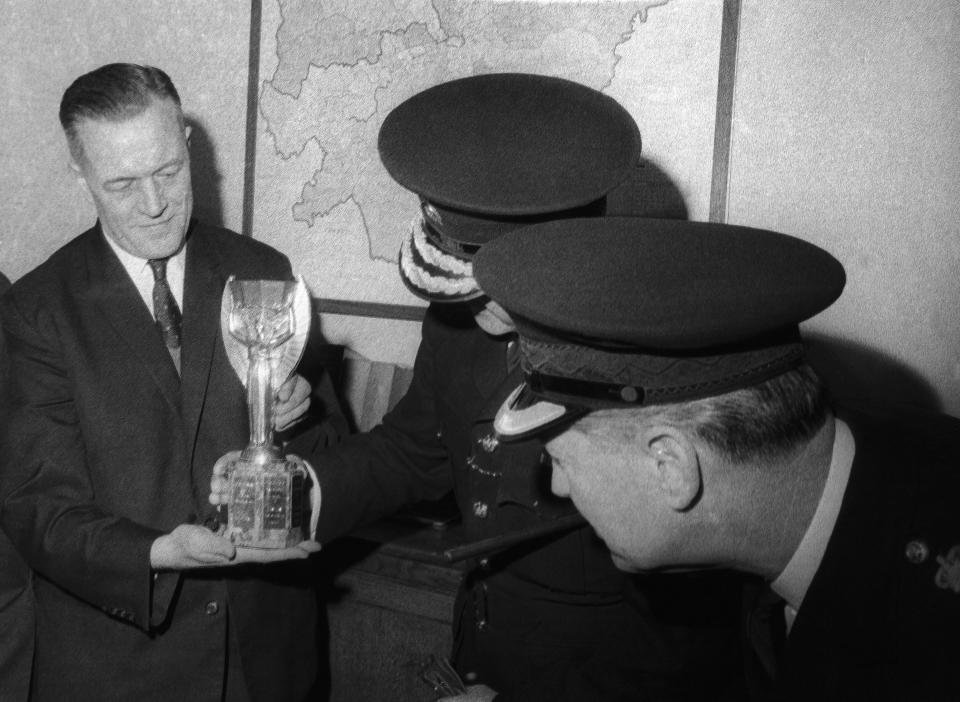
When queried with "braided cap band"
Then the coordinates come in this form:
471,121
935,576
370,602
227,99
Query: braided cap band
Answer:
595,378
433,274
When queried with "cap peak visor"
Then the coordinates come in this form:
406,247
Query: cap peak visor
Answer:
522,415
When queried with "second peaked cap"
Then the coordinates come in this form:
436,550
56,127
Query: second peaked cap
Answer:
508,145
629,311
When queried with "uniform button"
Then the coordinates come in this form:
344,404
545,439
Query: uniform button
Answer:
480,510
482,625
917,551
212,607
484,564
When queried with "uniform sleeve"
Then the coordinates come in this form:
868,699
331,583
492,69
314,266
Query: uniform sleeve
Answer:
401,461
46,498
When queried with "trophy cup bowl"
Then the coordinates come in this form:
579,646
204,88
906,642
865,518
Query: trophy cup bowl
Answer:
264,325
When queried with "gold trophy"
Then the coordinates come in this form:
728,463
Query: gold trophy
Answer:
265,325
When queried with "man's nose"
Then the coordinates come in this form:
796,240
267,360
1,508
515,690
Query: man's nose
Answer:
153,200
558,482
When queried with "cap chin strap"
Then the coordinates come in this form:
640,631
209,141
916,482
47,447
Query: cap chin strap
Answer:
432,274
513,423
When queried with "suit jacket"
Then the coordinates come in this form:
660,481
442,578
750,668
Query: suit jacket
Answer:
16,595
881,618
552,618
105,450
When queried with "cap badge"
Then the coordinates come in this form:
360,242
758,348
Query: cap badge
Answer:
948,577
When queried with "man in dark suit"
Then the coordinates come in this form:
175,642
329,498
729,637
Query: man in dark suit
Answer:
16,603
118,404
667,377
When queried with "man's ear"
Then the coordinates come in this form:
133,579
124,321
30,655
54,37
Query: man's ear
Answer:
677,465
81,179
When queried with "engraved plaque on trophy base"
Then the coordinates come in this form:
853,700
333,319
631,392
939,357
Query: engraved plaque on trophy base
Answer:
266,503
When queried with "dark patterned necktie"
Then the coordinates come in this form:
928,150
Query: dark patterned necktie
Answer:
165,308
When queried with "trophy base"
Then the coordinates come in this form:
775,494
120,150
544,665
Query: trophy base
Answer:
266,540
266,502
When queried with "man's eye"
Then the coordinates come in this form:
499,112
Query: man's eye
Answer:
169,172
118,186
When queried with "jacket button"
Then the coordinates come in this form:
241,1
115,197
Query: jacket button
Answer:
212,607
917,551
480,510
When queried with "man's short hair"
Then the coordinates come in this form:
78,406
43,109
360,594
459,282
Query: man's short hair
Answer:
761,422
115,92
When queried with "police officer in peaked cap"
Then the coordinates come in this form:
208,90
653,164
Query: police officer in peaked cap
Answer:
664,370
543,615
491,153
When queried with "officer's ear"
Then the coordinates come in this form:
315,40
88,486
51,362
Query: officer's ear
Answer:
676,462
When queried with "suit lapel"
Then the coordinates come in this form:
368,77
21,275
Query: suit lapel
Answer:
203,288
119,302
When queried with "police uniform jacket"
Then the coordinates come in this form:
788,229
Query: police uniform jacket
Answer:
106,449
881,616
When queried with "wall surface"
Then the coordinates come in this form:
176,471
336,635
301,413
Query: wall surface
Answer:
331,72
46,45
846,132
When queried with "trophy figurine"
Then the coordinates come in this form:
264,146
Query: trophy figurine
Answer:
264,325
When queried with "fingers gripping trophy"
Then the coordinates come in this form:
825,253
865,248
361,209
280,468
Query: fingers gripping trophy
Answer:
265,325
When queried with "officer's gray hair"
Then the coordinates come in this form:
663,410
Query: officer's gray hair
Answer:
762,422
116,91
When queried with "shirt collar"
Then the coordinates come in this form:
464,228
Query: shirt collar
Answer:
139,271
793,582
